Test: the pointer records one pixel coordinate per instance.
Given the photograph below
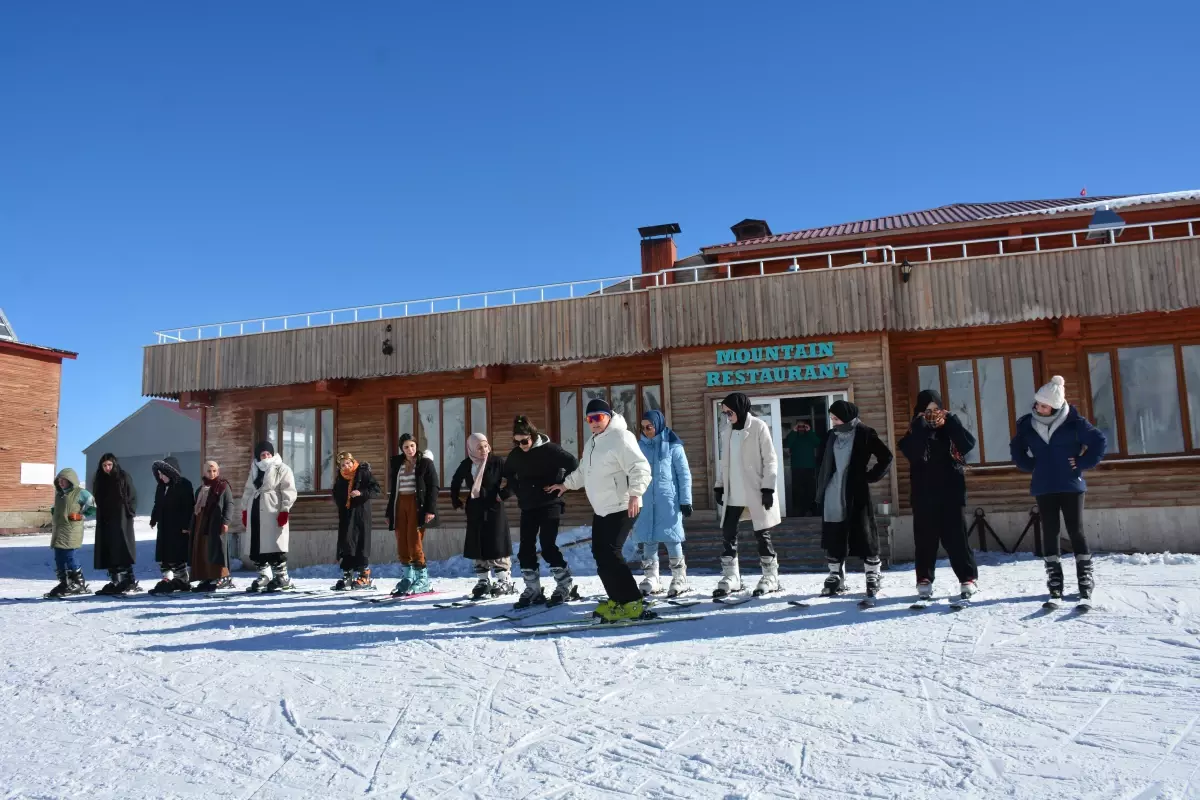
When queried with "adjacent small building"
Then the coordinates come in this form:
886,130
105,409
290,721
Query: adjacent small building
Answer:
158,429
30,386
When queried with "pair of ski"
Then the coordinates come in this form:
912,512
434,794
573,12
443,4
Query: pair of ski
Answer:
821,599
954,603
518,614
592,623
1082,606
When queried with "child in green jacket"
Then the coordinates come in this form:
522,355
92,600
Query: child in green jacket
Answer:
72,503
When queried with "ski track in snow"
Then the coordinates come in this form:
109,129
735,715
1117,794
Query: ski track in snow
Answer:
322,696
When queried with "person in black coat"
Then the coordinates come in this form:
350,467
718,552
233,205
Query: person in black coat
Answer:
936,447
412,505
535,463
116,545
844,496
488,542
174,501
353,490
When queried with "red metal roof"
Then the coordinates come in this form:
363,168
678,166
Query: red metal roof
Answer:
942,215
35,350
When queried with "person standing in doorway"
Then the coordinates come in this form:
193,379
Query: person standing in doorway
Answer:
801,445
174,500
535,463
844,495
488,542
936,447
667,503
745,487
353,490
615,475
72,503
412,505
1058,445
213,514
116,544
267,501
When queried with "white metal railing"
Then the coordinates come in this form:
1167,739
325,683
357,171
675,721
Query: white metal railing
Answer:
853,258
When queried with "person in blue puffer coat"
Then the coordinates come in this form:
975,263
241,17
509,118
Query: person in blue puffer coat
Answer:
1058,445
665,504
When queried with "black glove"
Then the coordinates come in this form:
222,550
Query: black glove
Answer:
719,493
768,496
686,510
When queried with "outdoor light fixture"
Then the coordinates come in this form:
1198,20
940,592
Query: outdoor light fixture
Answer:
1106,224
905,271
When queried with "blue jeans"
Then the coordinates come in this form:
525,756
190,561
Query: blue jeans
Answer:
65,559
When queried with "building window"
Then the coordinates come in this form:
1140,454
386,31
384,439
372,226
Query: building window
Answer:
441,426
1146,399
304,438
630,400
988,394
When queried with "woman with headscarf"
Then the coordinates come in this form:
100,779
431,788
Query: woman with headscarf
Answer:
665,504
1058,445
172,516
488,542
116,545
412,504
936,447
353,490
267,501
844,496
213,513
745,487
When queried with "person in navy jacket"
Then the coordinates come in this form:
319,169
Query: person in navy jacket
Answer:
1058,445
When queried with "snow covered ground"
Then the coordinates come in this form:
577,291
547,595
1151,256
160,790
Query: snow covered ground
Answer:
324,696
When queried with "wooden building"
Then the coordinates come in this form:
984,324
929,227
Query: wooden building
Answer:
30,381
984,301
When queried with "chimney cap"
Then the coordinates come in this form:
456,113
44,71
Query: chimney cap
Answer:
654,231
750,229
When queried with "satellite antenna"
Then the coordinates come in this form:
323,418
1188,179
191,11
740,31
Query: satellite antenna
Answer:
7,334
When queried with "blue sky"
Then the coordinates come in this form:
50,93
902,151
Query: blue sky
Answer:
166,164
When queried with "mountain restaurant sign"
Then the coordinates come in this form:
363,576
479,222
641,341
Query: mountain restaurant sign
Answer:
754,365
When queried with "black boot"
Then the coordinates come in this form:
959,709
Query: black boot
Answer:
183,579
127,584
835,583
62,588
1054,579
281,582
110,587
1083,574
75,582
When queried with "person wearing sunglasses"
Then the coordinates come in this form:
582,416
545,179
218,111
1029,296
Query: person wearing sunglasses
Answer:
535,463
745,488
488,542
667,502
844,496
615,475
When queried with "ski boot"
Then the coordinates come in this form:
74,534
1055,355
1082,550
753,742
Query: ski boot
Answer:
874,577
679,581
604,610
75,582
483,586
421,583
731,578
110,587
205,587
363,580
406,581
62,589
968,589
183,579
344,583
925,590
127,583
1054,582
263,580
835,582
167,584
533,594
769,582
280,582
625,612
226,583
565,589
650,581
503,584
1083,573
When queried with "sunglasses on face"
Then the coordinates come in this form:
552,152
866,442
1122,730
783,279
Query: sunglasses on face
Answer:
521,442
594,418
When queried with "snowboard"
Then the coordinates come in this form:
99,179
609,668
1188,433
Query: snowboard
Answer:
596,624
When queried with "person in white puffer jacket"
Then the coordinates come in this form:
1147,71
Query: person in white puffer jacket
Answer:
615,475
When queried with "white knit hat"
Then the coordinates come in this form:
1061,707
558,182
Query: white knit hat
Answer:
1053,394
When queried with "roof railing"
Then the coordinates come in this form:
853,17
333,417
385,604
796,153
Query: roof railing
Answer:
853,258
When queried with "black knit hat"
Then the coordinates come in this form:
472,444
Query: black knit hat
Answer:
844,411
599,406
264,447
523,427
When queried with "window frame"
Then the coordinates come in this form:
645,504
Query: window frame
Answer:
584,433
941,361
1190,448
260,427
444,474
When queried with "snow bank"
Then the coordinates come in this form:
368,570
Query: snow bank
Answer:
1142,559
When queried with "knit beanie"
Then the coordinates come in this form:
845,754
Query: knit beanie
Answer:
1053,394
599,406
523,427
263,447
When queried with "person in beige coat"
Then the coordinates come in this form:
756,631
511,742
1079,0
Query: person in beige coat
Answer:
745,488
267,501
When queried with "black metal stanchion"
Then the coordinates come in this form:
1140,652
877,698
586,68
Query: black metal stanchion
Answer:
1034,524
981,524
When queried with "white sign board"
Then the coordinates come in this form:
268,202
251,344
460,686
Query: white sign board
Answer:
37,474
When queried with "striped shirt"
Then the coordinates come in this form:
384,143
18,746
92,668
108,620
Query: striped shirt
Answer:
406,482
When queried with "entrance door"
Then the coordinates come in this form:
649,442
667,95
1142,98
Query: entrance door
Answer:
768,410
